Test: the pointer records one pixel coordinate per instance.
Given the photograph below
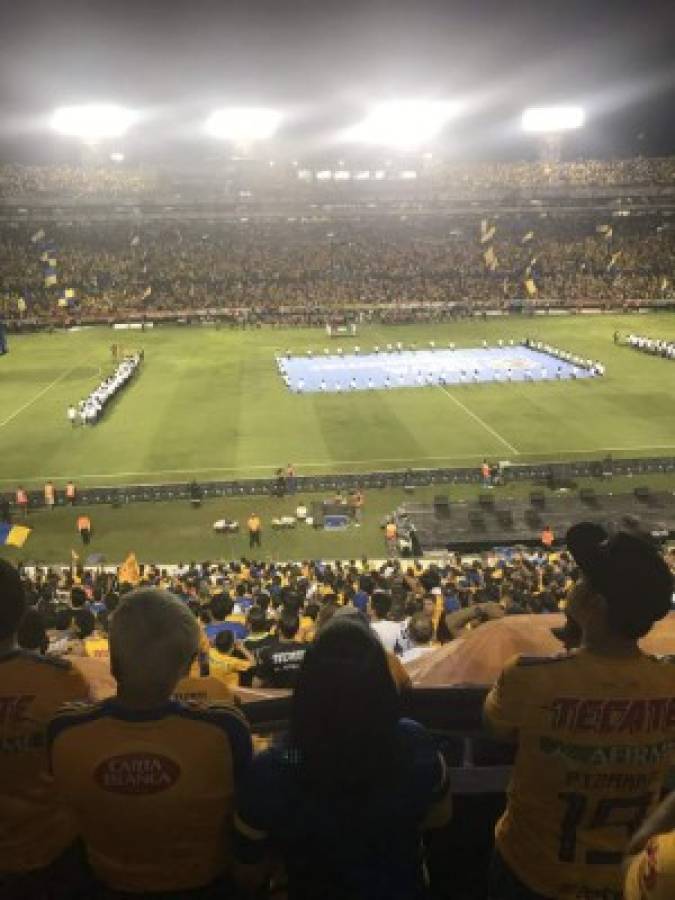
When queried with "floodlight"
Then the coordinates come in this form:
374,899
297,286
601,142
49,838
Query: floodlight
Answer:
117,157
342,175
552,119
403,123
243,124
93,121
324,175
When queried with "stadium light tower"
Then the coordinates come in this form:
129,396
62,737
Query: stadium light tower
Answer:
403,124
93,122
243,126
550,123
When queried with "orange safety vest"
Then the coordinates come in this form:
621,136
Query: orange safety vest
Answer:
390,531
547,537
49,492
83,523
485,469
254,524
70,491
21,497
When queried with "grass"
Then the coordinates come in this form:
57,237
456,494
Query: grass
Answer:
173,531
210,404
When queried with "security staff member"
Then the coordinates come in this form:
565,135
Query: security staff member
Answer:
84,527
254,530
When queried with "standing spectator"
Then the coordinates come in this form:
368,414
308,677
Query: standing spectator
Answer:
151,780
22,501
37,833
84,527
70,493
595,729
346,801
254,530
50,496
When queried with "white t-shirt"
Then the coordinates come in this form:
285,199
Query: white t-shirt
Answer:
388,632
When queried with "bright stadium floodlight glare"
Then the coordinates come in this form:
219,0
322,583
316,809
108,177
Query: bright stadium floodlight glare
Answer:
243,124
93,122
552,119
403,124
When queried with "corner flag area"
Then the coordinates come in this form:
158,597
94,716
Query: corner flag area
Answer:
337,373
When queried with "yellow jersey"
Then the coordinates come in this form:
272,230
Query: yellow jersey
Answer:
35,828
226,668
651,875
96,647
152,791
596,736
205,689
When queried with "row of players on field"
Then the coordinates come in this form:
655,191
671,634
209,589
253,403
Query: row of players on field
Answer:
90,410
650,345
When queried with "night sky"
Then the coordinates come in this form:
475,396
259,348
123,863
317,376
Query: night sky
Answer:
323,63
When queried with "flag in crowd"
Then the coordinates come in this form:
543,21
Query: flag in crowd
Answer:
490,258
21,304
37,236
13,535
613,260
527,237
50,277
605,230
530,287
487,231
135,241
130,571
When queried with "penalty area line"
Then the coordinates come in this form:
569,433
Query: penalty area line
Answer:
480,421
37,396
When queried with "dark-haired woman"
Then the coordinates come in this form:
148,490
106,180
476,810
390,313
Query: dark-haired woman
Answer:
344,802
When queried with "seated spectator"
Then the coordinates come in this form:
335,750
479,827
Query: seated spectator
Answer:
32,634
151,780
279,662
420,637
224,663
258,632
224,617
595,729
37,833
345,801
388,632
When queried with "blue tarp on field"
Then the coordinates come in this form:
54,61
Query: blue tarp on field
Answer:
424,368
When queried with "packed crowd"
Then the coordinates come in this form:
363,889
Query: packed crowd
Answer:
457,179
655,346
259,271
151,792
90,410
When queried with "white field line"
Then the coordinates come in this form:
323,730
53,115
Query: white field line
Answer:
37,396
271,467
480,421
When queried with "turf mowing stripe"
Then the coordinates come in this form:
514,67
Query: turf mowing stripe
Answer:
481,422
37,396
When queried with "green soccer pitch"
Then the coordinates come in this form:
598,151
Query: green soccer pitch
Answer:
210,404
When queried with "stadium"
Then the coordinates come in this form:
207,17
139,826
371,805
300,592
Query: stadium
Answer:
337,482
